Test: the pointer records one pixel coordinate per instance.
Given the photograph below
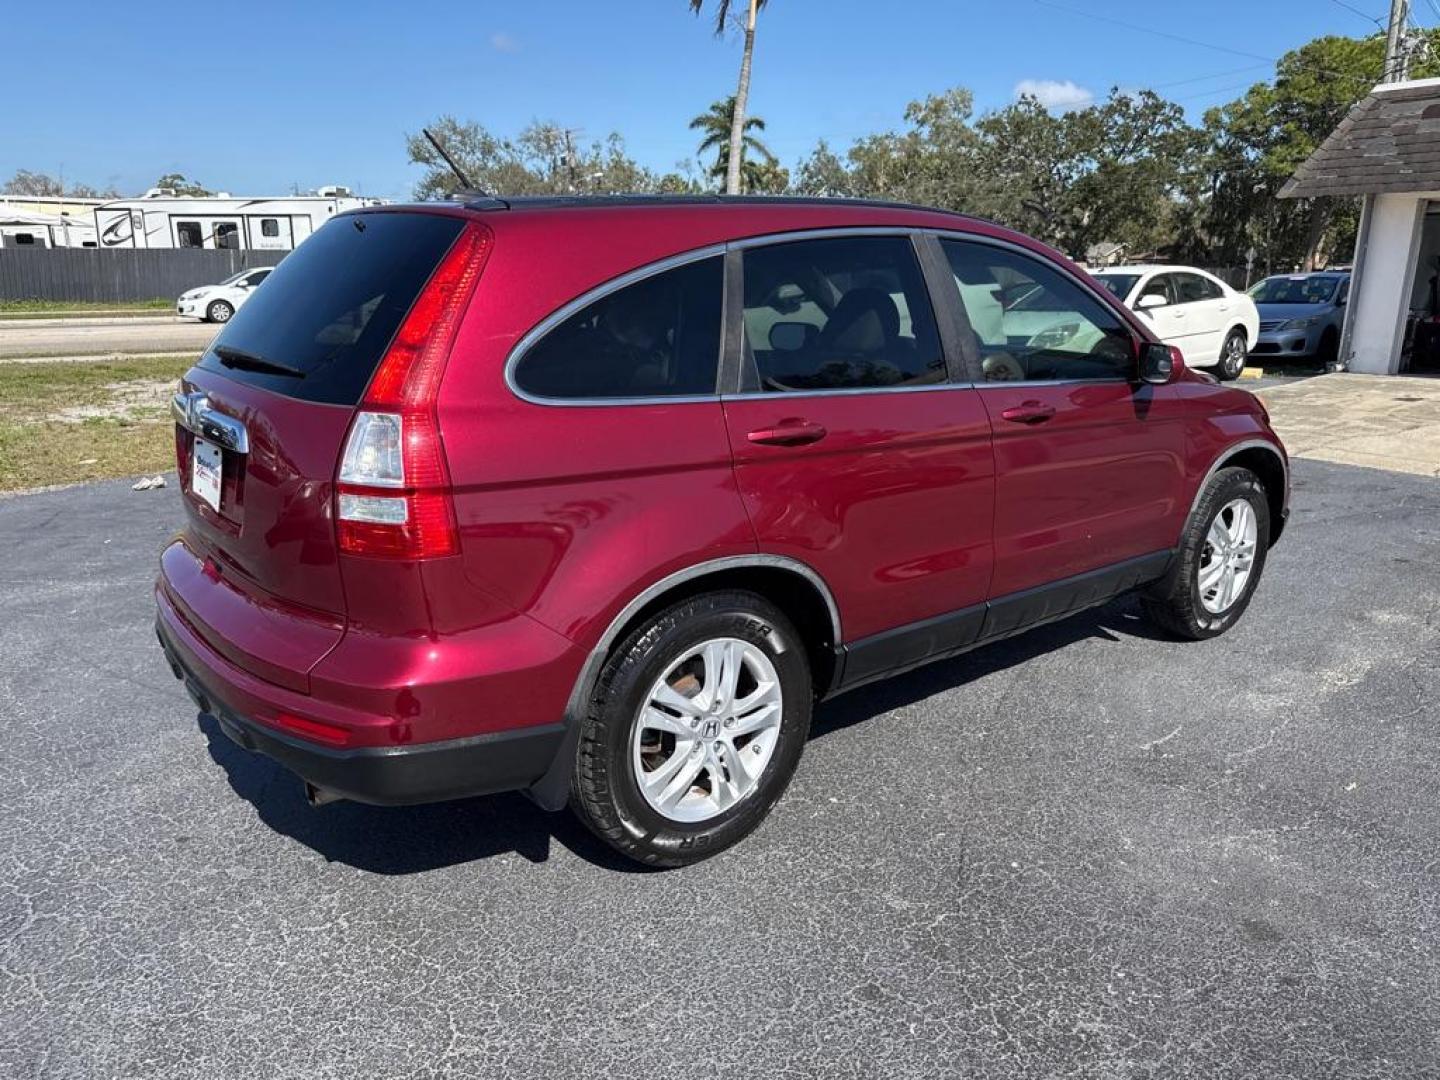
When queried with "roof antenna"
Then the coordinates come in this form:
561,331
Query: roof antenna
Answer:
464,180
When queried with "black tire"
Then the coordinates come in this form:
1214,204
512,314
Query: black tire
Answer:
605,792
1232,356
1174,602
1329,347
219,311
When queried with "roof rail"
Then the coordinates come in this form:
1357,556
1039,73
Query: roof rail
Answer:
478,201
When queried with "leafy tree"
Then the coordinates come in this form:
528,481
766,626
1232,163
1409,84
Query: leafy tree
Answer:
736,153
544,159
1109,172
1258,141
715,125
177,183
823,173
932,161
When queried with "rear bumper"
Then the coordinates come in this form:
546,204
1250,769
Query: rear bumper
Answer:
384,775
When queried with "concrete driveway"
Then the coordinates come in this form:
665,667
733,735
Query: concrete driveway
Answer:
1087,852
1379,421
32,338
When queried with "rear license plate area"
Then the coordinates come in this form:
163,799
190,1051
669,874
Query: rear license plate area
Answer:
207,472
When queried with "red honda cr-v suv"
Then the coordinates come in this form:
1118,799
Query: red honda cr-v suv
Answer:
595,497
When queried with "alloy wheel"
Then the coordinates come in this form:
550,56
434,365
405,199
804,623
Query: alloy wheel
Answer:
1228,556
1234,359
707,730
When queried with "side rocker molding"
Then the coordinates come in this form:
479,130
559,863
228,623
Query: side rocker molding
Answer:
905,647
552,790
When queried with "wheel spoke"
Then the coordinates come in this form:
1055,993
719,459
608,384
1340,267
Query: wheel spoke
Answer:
726,785
766,716
766,692
1219,536
668,696
655,780
682,779
1239,523
721,658
1227,588
660,720
734,759
1211,574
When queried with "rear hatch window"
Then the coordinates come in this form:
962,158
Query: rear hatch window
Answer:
329,310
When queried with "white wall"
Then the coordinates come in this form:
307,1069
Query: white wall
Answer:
1378,309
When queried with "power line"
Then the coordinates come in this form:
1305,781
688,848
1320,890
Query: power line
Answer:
1207,93
1356,11
1207,78
1051,4
1149,30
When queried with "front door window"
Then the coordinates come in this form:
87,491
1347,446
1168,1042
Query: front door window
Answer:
1030,323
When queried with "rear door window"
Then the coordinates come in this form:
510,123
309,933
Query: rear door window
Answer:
839,314
657,337
331,308
1192,288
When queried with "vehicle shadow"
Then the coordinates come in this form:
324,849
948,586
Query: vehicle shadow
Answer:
414,839
1120,618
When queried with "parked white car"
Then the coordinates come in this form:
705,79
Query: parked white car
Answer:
216,303
1214,325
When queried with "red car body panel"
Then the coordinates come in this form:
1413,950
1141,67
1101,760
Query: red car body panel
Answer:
1097,483
893,508
915,504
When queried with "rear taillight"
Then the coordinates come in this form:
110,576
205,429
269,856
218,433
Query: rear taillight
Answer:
393,489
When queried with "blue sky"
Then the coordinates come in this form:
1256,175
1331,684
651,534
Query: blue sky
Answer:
311,93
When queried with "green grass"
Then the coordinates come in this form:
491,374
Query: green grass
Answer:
34,309
64,423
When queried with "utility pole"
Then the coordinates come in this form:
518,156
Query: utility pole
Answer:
1397,43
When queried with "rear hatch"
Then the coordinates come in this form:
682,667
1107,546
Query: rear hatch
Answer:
258,576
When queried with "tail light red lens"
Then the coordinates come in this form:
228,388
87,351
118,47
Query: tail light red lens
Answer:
393,494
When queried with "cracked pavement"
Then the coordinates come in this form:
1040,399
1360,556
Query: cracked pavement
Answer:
1084,852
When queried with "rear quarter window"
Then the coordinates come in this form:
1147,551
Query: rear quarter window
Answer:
332,306
654,338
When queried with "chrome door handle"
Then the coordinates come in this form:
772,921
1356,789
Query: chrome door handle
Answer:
788,433
1028,412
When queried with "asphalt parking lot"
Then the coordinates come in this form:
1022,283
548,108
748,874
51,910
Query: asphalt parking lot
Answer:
1082,853
39,338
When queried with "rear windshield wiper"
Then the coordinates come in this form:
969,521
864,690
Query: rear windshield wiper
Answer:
241,360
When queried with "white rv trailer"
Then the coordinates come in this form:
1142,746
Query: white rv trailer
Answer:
162,219
28,230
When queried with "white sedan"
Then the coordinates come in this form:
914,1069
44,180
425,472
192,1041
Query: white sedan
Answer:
216,303
1213,325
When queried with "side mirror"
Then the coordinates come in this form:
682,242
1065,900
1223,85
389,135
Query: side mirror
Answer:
1150,300
1159,364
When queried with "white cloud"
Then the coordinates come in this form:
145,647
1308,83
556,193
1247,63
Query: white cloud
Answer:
1061,94
503,42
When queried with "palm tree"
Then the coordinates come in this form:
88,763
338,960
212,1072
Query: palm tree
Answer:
742,93
716,124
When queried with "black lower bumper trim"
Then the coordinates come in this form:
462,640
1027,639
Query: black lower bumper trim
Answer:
391,775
